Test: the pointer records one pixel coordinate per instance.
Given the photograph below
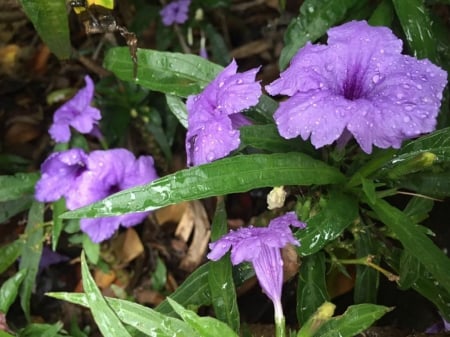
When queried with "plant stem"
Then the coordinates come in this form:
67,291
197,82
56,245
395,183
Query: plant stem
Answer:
368,261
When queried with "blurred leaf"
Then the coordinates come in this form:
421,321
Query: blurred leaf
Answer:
9,253
266,137
17,186
312,287
193,291
418,208
144,319
427,183
10,163
227,175
171,73
367,279
5,334
315,17
42,330
410,270
339,213
425,284
322,315
220,278
205,326
218,46
91,249
383,15
106,319
355,319
369,189
31,254
10,208
159,275
50,19
59,207
178,108
9,290
415,241
416,24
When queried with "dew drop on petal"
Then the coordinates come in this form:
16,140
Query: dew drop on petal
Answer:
376,78
406,119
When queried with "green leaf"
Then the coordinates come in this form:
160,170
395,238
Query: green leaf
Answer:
9,254
91,249
10,208
106,319
171,73
415,241
5,334
205,326
42,330
416,24
312,287
178,108
49,17
17,186
59,207
428,183
220,278
410,270
315,17
383,15
144,319
418,208
266,137
31,254
367,279
228,175
193,291
340,212
355,319
9,290
322,314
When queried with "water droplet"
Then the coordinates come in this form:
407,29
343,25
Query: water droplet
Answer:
418,86
409,107
329,67
400,95
376,78
406,119
221,84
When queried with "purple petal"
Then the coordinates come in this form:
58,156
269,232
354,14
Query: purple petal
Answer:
100,229
214,140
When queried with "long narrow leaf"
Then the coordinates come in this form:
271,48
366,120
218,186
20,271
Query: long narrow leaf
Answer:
229,175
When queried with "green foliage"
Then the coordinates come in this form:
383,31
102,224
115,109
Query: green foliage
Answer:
49,17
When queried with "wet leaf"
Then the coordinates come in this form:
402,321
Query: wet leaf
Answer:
416,24
428,183
418,208
410,270
312,288
10,208
10,289
144,319
205,326
31,253
228,175
59,207
415,241
17,186
193,291
106,319
315,17
171,73
9,254
220,278
42,330
178,108
355,319
340,212
383,15
50,19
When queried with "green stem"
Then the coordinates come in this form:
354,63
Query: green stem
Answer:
280,327
368,261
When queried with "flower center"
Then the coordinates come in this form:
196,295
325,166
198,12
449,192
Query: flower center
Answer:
353,85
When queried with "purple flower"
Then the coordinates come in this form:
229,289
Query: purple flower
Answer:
261,247
441,326
214,115
49,257
175,12
358,85
77,113
109,172
84,179
61,172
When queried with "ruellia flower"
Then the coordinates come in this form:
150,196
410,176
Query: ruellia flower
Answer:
261,246
175,12
77,113
358,85
83,179
61,172
214,115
